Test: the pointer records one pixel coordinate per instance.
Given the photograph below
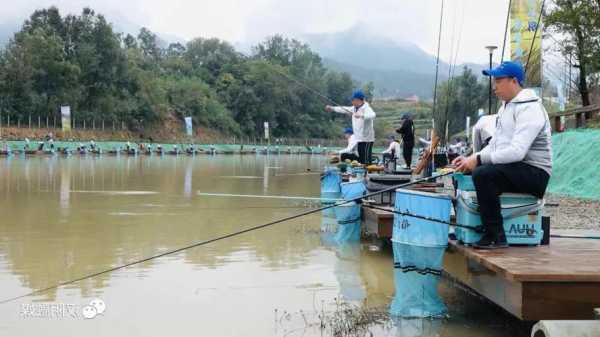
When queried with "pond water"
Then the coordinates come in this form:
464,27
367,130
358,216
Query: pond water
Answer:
63,218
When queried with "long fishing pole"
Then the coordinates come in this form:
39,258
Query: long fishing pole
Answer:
537,27
307,87
505,30
451,71
205,242
437,61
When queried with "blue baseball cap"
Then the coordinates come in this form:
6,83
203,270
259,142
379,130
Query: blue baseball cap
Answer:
348,131
507,69
358,94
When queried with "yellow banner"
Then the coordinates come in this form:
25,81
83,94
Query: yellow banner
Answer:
524,16
65,116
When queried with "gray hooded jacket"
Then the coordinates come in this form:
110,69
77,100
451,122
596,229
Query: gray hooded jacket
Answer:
522,134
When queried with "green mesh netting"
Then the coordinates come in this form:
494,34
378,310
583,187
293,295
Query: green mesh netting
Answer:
576,170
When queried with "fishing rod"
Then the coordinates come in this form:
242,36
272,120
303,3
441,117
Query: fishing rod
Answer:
223,237
452,69
505,30
420,217
307,87
437,61
537,27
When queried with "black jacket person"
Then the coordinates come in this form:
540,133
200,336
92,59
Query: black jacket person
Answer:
407,131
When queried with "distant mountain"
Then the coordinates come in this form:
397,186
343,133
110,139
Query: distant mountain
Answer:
396,69
389,83
119,22
367,50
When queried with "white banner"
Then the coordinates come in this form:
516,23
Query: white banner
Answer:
188,126
266,130
65,117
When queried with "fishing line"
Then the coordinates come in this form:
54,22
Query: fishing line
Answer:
437,63
559,236
205,242
419,217
505,30
537,27
291,78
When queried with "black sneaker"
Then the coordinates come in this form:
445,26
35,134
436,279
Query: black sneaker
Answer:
491,241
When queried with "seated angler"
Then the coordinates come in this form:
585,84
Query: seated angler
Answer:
349,153
519,156
393,150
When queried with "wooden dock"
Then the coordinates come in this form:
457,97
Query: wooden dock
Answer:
560,281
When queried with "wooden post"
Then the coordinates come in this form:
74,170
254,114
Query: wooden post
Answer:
579,120
557,124
29,118
39,122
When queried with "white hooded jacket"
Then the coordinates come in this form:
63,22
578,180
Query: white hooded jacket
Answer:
522,134
362,126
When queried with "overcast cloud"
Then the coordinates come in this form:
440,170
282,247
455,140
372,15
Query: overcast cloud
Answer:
245,22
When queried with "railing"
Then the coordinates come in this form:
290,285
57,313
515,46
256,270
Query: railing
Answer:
580,115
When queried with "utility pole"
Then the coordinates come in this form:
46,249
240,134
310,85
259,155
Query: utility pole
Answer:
491,52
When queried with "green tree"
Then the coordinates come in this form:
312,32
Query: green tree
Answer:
579,22
458,99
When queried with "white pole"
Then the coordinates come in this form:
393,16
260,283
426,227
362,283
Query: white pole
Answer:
468,128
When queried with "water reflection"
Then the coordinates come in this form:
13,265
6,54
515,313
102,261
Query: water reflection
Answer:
81,213
67,217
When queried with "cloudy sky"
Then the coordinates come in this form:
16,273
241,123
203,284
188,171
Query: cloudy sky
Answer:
246,21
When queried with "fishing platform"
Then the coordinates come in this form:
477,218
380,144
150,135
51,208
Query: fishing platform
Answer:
556,281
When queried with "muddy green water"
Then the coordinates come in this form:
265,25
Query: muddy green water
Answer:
62,218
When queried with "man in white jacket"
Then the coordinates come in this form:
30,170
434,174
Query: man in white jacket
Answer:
393,151
519,156
483,131
362,124
350,151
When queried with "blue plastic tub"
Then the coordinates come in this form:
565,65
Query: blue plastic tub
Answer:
359,172
348,220
353,190
419,247
521,213
464,182
421,232
417,271
331,180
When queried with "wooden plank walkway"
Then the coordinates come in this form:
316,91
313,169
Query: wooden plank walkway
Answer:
558,281
553,282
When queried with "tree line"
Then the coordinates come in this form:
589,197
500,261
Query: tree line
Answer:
80,61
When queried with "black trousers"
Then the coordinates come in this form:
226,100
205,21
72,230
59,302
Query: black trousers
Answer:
365,152
407,152
350,156
494,179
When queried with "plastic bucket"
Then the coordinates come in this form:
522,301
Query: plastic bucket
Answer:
417,271
416,231
348,220
331,180
353,190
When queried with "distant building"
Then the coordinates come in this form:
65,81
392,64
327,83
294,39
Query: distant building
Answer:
413,98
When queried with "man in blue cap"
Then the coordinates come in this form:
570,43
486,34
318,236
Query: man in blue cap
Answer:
519,156
350,151
362,124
